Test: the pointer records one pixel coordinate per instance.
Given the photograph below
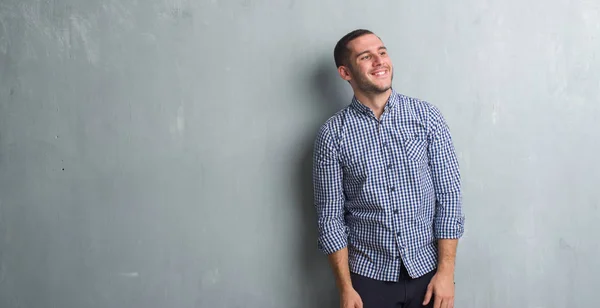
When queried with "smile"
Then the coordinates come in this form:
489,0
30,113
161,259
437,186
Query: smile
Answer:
380,73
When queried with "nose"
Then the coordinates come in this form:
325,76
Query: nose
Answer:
377,60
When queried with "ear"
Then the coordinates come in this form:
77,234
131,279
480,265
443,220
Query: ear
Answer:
344,73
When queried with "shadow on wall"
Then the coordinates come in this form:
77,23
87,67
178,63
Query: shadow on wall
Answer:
328,97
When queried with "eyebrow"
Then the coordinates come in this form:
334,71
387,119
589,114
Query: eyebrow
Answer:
366,51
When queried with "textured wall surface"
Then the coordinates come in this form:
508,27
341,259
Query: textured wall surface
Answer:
157,153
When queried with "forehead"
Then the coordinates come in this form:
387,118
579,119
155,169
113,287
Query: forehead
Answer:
365,43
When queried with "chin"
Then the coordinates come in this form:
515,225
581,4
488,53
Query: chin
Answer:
384,87
385,83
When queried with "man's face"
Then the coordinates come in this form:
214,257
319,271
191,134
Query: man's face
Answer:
370,68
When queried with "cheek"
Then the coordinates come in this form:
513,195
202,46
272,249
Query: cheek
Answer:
359,71
364,70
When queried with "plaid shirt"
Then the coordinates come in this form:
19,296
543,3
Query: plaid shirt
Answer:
387,189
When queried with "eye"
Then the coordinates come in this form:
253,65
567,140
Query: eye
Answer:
365,57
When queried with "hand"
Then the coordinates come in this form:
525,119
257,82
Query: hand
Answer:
350,299
441,287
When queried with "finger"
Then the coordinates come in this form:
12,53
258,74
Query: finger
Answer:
447,303
427,295
444,303
437,302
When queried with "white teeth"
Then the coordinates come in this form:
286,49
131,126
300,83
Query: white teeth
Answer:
379,73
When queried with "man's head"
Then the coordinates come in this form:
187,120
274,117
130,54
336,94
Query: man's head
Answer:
362,60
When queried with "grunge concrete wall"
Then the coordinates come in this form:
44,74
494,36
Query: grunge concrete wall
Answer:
157,153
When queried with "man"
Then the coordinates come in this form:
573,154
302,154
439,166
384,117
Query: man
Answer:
387,189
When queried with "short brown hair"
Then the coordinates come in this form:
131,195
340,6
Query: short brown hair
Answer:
341,53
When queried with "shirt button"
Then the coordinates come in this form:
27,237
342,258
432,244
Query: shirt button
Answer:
390,166
392,188
395,211
398,234
385,144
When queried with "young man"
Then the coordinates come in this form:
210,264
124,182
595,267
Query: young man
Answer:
387,189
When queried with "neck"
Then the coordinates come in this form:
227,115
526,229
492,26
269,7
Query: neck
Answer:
375,101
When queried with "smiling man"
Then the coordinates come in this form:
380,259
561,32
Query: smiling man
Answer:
387,188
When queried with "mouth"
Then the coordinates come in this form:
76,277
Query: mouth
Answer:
380,73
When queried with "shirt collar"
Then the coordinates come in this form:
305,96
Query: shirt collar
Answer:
392,102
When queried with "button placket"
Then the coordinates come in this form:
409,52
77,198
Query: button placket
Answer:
392,182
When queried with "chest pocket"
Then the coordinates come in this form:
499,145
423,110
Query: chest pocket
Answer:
416,148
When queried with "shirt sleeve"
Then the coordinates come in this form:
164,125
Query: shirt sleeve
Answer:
328,193
449,217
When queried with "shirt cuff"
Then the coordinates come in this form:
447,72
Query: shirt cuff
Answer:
332,241
449,227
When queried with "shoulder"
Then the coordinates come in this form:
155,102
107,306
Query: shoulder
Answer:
333,127
424,110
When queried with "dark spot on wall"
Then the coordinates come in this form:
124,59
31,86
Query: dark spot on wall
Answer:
564,245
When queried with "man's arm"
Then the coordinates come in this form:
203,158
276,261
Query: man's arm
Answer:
441,286
447,256
449,217
329,203
339,264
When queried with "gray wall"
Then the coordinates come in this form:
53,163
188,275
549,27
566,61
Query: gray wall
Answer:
156,153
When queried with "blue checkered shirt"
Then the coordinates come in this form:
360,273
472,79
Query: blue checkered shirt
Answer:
387,189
